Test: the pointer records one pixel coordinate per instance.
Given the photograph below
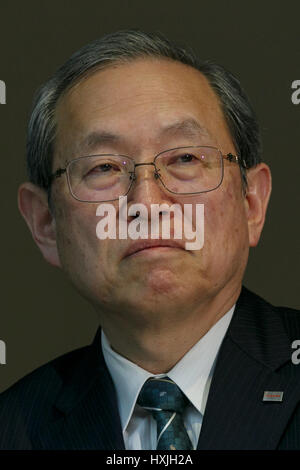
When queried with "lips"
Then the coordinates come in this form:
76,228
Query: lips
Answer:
140,245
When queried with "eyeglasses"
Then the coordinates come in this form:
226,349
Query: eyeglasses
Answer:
183,170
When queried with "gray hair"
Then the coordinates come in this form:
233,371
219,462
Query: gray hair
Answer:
121,47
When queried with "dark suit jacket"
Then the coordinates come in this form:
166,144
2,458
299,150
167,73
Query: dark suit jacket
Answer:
70,402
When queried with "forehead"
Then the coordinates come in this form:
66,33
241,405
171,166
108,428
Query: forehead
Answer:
146,101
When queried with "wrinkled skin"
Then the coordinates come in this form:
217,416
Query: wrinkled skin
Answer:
155,305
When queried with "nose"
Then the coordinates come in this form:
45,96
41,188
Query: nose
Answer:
147,188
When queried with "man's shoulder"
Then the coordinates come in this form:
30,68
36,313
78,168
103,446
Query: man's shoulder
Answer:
263,330
289,317
47,394
33,395
55,371
291,320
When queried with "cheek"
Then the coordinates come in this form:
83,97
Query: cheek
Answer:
79,248
87,261
225,222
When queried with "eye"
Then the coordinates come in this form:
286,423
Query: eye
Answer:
104,168
183,159
186,158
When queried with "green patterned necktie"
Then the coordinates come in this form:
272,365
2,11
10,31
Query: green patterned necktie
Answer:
166,402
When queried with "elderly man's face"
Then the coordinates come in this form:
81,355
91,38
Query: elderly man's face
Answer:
149,105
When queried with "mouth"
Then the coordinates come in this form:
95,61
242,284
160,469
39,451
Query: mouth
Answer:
153,247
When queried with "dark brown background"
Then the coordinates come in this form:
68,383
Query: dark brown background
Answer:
41,314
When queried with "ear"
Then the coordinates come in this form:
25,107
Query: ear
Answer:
33,205
256,199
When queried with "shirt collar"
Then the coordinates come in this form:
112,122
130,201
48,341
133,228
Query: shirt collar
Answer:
190,373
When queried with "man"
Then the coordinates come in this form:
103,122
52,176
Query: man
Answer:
186,358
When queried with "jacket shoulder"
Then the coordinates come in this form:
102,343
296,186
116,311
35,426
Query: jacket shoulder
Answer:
291,320
290,317
28,403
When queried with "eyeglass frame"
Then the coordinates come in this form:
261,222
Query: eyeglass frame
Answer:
229,156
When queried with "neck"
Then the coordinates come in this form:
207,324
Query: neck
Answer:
158,344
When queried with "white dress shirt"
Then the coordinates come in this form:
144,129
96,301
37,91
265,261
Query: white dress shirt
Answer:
192,374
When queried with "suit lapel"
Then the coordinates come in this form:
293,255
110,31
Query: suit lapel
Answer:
249,363
86,412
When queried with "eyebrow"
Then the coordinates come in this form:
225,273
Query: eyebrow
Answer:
99,138
189,128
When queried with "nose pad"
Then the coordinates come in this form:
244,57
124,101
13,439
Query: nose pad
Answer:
156,174
133,178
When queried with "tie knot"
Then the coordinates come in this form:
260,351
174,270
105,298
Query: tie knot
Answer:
162,394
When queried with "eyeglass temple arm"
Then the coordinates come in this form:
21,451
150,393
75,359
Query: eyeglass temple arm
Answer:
57,174
234,158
